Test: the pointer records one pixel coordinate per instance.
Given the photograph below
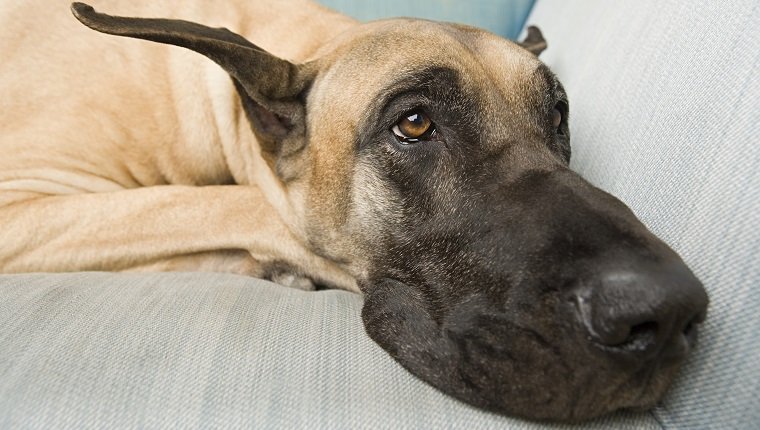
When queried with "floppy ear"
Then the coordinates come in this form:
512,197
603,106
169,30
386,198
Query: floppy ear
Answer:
271,88
534,41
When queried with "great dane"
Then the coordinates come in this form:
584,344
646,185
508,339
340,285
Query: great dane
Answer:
423,164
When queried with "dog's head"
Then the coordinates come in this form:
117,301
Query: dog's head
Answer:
431,160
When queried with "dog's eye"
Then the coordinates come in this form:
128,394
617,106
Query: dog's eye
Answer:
556,117
559,116
414,127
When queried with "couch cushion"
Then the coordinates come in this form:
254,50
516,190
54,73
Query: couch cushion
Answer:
664,114
503,17
206,350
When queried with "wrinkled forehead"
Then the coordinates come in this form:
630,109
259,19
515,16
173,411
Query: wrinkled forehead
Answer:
372,60
362,70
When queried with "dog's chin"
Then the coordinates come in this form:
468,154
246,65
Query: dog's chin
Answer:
500,365
530,381
539,387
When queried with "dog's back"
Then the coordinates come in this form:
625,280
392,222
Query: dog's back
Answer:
71,98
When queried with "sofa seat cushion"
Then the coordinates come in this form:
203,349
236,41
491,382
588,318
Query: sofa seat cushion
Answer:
207,350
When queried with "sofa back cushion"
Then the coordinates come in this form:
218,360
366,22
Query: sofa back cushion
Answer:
503,17
664,114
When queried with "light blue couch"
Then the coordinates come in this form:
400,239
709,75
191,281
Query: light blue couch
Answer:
503,17
665,114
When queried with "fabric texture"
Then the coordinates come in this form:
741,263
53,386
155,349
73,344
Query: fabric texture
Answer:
664,110
503,17
95,350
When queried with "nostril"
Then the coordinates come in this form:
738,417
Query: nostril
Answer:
642,313
641,337
615,332
690,329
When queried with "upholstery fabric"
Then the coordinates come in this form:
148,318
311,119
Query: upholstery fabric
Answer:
503,17
664,109
95,350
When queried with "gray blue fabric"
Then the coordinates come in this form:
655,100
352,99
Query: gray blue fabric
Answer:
503,17
665,110
94,350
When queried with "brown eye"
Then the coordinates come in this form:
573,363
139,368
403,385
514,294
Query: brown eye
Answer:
556,117
413,127
559,118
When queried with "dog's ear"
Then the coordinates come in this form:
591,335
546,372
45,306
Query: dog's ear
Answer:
271,88
534,41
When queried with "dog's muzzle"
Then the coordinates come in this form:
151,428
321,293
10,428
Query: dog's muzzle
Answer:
558,304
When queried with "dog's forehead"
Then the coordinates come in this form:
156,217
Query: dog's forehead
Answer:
362,65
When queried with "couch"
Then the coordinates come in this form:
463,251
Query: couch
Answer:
665,110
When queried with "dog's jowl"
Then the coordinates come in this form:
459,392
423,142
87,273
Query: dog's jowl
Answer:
420,163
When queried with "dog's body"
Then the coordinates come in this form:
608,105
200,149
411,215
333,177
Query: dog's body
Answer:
425,164
106,141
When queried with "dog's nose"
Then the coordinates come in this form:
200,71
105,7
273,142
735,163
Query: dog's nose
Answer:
643,311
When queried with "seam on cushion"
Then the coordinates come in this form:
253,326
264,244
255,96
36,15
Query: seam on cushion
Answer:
657,419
